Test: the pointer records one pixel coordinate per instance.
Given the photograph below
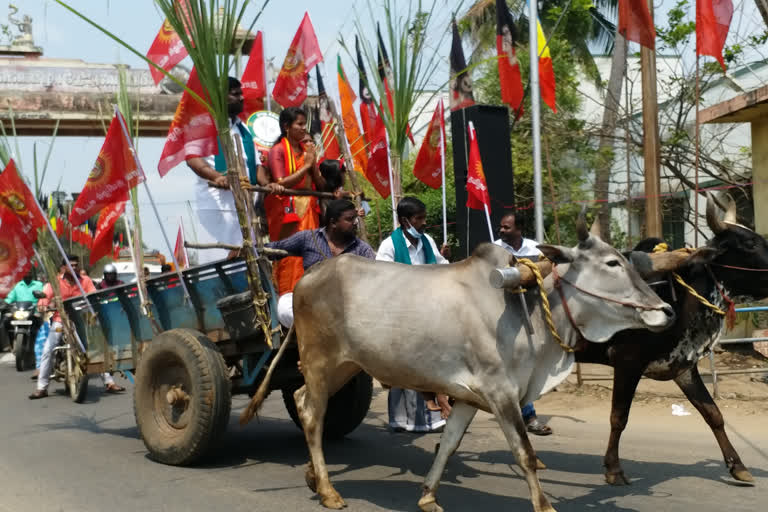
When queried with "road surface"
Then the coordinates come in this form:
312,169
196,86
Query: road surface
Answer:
59,456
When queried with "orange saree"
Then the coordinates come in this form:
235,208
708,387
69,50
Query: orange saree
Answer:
287,215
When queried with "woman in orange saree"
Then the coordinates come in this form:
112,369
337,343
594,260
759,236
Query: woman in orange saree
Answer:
292,164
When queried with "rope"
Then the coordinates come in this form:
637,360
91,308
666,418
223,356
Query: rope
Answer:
662,247
545,303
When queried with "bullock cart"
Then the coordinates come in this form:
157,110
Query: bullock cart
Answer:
193,355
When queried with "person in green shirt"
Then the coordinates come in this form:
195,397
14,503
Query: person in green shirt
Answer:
24,289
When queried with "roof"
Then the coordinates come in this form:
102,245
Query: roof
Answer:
744,108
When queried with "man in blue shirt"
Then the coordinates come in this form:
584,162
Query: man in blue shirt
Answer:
338,236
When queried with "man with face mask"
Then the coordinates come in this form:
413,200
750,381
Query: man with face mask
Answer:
338,236
409,410
215,204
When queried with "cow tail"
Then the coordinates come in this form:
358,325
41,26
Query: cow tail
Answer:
263,390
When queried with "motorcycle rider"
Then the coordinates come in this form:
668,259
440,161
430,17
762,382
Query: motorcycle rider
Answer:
22,292
110,278
69,289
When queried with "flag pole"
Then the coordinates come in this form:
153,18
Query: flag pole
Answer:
488,218
442,169
139,286
183,239
152,202
391,184
533,38
64,255
696,156
266,77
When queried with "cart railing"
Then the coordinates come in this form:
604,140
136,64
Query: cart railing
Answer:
117,335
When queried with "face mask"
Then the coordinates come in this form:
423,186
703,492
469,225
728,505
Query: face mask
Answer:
413,231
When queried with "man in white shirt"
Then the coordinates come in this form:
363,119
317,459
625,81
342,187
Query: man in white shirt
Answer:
408,244
215,204
511,238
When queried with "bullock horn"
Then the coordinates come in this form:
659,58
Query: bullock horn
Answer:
714,223
595,229
581,225
730,211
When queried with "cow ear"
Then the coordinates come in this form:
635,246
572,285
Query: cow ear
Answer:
703,255
556,253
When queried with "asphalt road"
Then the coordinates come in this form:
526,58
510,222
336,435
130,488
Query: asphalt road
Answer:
59,456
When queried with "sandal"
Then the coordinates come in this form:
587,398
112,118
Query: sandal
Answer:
114,389
40,393
538,428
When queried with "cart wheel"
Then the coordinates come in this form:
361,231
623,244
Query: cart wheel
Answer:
76,379
346,409
182,396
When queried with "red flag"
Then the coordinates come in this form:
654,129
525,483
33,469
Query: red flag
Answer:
351,127
636,24
178,251
546,71
166,51
377,171
331,149
303,54
114,174
713,19
477,187
429,163
253,79
16,198
15,250
509,68
105,232
192,132
461,82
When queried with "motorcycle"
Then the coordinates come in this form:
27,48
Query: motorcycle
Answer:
22,320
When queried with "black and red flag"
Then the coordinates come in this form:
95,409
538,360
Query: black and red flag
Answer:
461,83
385,73
509,68
368,114
331,149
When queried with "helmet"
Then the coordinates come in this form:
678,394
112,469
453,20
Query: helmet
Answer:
110,269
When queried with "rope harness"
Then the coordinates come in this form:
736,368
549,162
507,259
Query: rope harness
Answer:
730,314
545,303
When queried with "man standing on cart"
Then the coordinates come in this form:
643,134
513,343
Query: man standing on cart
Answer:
69,289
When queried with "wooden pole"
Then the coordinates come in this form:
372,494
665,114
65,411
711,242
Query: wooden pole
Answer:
696,161
554,200
651,141
628,97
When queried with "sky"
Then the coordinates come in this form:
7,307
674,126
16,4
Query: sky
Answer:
63,35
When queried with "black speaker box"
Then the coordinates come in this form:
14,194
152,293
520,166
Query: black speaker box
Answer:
492,128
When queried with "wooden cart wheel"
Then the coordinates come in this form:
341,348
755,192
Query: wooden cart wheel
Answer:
182,396
346,409
76,378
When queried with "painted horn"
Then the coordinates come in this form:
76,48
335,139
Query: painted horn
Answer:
581,225
714,223
595,229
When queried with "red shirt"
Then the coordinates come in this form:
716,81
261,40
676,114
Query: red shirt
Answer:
68,290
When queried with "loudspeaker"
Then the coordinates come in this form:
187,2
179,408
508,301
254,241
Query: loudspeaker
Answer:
492,128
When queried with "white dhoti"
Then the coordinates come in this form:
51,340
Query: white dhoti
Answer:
217,219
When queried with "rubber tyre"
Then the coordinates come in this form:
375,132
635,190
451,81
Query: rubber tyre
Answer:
18,351
346,409
76,384
181,434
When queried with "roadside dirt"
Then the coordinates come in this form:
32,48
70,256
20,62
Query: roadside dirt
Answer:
746,392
